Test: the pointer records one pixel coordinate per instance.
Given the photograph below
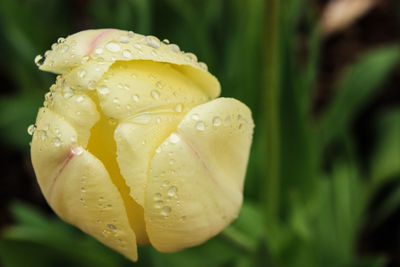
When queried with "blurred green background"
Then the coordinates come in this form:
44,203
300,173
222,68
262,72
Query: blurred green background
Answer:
322,186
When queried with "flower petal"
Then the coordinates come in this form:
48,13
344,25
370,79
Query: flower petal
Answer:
195,182
77,186
110,45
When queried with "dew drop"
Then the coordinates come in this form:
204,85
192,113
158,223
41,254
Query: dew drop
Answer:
195,117
82,73
155,94
77,150
92,85
158,204
43,135
165,210
39,59
165,41
64,48
165,183
157,196
172,191
153,41
79,99
158,150
159,84
200,126
113,47
98,51
175,48
68,93
115,100
104,91
124,39
174,138
83,190
57,142
31,129
178,108
131,34
217,121
112,226
190,57
171,161
126,53
203,66
135,98
60,40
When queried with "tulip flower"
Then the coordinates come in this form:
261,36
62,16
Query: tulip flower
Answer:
133,146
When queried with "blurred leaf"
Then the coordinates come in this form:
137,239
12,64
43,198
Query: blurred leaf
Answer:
55,238
385,162
356,88
389,206
16,114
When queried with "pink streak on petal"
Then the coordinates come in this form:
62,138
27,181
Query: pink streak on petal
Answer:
74,151
96,40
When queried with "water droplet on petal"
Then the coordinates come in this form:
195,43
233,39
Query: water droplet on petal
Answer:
135,98
174,138
174,48
203,66
131,34
77,150
31,129
126,53
217,121
153,41
39,59
43,135
158,150
195,117
157,196
155,94
92,85
178,108
172,191
104,91
57,142
124,39
112,226
158,204
165,183
82,73
165,41
64,48
68,93
165,210
98,50
60,40
200,126
113,47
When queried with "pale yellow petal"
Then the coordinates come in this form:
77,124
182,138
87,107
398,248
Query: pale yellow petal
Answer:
129,88
196,180
77,108
137,142
77,186
110,45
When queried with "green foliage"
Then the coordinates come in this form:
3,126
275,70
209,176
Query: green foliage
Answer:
297,211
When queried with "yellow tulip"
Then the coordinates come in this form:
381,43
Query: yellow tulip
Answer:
133,145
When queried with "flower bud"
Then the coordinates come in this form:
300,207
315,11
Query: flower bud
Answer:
133,145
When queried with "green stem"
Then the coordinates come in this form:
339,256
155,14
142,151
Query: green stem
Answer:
271,187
